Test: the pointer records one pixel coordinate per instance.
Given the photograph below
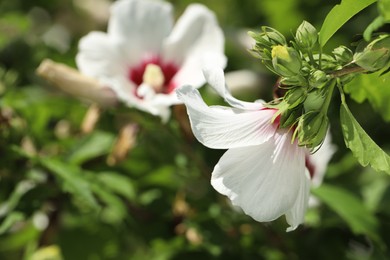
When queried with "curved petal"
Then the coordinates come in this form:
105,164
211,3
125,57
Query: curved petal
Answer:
215,77
296,215
264,180
139,26
195,40
224,127
195,32
97,56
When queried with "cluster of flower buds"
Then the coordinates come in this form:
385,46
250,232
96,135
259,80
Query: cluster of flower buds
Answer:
308,76
304,104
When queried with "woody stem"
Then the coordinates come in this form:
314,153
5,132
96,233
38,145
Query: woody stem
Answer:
346,71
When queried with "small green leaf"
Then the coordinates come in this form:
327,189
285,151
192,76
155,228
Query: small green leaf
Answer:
114,210
72,179
350,208
375,88
92,146
118,183
362,146
339,15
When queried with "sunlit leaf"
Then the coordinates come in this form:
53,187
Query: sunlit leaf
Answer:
339,15
49,252
362,146
374,88
350,208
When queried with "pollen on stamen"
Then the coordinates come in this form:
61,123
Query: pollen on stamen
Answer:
168,69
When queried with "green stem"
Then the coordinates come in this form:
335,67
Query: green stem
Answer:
325,106
320,58
342,95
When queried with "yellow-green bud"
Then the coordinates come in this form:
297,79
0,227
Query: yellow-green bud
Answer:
375,55
265,40
286,61
306,36
343,55
312,128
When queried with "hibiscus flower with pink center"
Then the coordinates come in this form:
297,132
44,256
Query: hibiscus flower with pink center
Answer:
143,58
263,171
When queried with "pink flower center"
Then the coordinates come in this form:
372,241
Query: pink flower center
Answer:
168,70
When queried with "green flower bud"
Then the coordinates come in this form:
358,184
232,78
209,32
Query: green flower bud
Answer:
295,97
286,61
343,55
290,117
306,36
273,36
265,41
375,55
314,100
318,79
312,128
297,80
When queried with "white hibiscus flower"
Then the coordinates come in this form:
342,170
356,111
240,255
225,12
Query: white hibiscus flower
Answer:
262,172
143,58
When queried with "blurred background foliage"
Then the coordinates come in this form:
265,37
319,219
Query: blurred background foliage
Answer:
61,197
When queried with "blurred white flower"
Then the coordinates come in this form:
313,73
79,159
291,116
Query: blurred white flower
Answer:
262,172
143,58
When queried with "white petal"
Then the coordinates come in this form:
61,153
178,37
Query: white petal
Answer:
97,56
215,77
319,160
296,215
140,26
224,127
196,32
263,180
195,40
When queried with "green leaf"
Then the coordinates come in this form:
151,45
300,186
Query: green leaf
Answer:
92,146
20,239
20,190
10,220
375,88
362,146
350,208
339,15
114,210
72,179
118,183
12,25
373,26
